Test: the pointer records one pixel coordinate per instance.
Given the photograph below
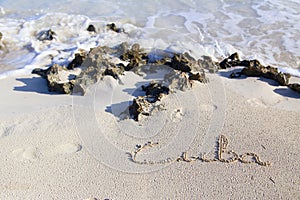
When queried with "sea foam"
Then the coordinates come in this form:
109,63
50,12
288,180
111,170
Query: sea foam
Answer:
265,30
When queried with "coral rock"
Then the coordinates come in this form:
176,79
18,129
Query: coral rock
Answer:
181,62
140,106
115,72
198,77
78,60
155,91
135,56
295,87
59,79
207,63
254,68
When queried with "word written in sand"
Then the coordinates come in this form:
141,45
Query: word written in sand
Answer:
222,155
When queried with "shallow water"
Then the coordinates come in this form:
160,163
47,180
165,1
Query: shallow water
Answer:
265,30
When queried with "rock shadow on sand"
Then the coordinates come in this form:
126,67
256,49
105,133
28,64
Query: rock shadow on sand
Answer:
227,74
34,84
136,91
287,92
120,110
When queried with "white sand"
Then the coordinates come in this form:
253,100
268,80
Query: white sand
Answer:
45,154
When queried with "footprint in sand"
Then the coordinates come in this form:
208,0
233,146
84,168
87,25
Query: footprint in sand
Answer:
177,115
207,107
256,103
68,148
32,153
29,153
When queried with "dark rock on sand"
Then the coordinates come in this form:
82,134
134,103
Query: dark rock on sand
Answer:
199,76
182,62
207,63
178,81
115,72
230,61
91,28
135,56
140,106
41,72
155,91
106,61
99,62
78,60
254,68
114,28
267,72
193,68
59,79
46,35
145,105
57,82
1,45
295,87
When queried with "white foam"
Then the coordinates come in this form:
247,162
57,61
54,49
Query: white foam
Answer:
292,71
2,11
266,30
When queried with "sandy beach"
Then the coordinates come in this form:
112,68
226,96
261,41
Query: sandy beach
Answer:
46,155
138,100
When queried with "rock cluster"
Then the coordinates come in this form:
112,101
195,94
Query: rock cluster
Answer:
187,64
106,61
295,87
134,56
78,60
144,105
87,68
206,62
155,91
59,79
100,61
256,69
140,106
